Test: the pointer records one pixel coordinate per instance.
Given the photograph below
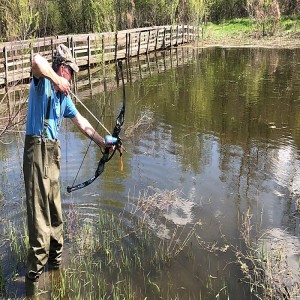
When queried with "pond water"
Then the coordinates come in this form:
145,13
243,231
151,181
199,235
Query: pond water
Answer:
224,134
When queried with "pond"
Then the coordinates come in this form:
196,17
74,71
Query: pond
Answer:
219,143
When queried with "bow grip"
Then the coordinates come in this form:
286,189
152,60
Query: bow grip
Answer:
110,140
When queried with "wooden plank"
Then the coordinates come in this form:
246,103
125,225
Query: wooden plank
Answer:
18,76
19,62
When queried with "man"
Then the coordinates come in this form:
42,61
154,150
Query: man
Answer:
48,103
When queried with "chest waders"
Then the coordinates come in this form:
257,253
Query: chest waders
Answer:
41,167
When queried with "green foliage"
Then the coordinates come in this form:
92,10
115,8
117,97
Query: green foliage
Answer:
29,18
151,12
226,9
19,18
290,24
49,18
103,16
71,15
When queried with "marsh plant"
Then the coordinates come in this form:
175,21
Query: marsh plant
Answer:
12,258
13,111
265,264
142,124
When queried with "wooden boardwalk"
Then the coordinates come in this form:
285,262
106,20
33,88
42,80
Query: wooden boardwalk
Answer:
90,49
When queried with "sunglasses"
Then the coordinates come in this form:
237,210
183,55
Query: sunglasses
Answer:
70,70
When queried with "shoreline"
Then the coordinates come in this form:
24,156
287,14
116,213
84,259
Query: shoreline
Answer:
277,42
251,43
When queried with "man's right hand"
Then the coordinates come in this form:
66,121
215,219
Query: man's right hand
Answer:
41,68
64,85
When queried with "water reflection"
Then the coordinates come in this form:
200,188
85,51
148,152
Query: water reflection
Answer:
225,133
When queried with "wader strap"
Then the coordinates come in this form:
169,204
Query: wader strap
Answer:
47,117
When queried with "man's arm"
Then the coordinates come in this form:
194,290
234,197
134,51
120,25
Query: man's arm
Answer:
41,68
84,125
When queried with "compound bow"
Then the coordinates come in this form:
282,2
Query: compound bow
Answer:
117,143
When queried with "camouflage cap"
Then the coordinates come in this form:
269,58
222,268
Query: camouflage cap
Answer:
63,55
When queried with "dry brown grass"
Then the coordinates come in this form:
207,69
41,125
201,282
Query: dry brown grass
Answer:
143,123
12,111
266,264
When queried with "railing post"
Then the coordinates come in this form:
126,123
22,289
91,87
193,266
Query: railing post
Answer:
116,45
164,39
147,49
89,50
6,68
129,45
103,61
126,45
103,50
31,45
52,50
139,44
72,47
156,40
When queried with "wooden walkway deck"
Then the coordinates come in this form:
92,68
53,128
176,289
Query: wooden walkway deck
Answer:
90,49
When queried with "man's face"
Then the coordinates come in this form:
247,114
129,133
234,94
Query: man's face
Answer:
66,72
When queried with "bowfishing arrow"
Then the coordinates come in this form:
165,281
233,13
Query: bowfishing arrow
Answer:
113,138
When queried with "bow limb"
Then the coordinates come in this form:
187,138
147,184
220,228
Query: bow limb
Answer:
105,158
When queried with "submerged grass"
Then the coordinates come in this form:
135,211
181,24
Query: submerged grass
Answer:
118,258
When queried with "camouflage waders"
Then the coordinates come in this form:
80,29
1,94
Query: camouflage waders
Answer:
41,167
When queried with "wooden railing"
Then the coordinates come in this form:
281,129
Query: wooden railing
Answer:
90,49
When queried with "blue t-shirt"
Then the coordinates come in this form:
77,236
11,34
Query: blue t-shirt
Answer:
61,106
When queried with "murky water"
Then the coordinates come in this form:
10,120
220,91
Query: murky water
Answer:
225,134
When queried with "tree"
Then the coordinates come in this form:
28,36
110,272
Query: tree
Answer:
266,13
19,18
103,16
289,7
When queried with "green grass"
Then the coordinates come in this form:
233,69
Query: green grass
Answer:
229,29
247,28
290,24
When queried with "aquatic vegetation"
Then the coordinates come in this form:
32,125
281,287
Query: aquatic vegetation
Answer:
266,263
143,123
123,256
